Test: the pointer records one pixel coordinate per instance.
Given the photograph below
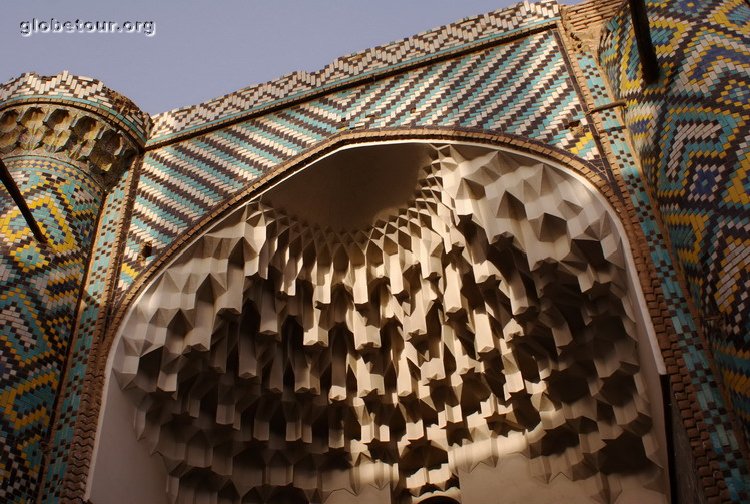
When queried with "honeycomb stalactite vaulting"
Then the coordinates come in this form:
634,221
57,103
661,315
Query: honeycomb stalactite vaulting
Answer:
488,315
82,92
69,134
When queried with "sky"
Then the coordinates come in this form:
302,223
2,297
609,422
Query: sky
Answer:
200,49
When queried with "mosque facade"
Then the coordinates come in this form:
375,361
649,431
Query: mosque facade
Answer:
504,260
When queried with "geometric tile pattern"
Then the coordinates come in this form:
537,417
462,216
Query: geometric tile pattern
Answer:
520,88
723,439
93,296
39,288
692,132
369,63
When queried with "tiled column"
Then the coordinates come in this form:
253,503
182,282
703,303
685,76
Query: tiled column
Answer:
692,136
65,142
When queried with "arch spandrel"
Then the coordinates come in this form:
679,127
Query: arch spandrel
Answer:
490,315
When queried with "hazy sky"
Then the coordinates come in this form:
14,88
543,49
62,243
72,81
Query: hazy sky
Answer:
205,48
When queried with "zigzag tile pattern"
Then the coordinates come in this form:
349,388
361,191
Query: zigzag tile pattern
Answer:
39,288
692,133
420,47
724,442
521,88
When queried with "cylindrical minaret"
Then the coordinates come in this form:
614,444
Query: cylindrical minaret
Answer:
65,141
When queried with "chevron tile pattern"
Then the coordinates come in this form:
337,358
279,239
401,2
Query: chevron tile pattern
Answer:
692,133
421,47
39,288
522,88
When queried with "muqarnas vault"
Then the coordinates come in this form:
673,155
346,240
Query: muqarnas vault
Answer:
488,263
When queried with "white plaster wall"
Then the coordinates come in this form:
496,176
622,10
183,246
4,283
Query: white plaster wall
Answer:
123,470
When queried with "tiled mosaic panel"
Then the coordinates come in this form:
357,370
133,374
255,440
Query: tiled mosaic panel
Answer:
94,293
39,288
405,52
522,88
699,164
723,438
